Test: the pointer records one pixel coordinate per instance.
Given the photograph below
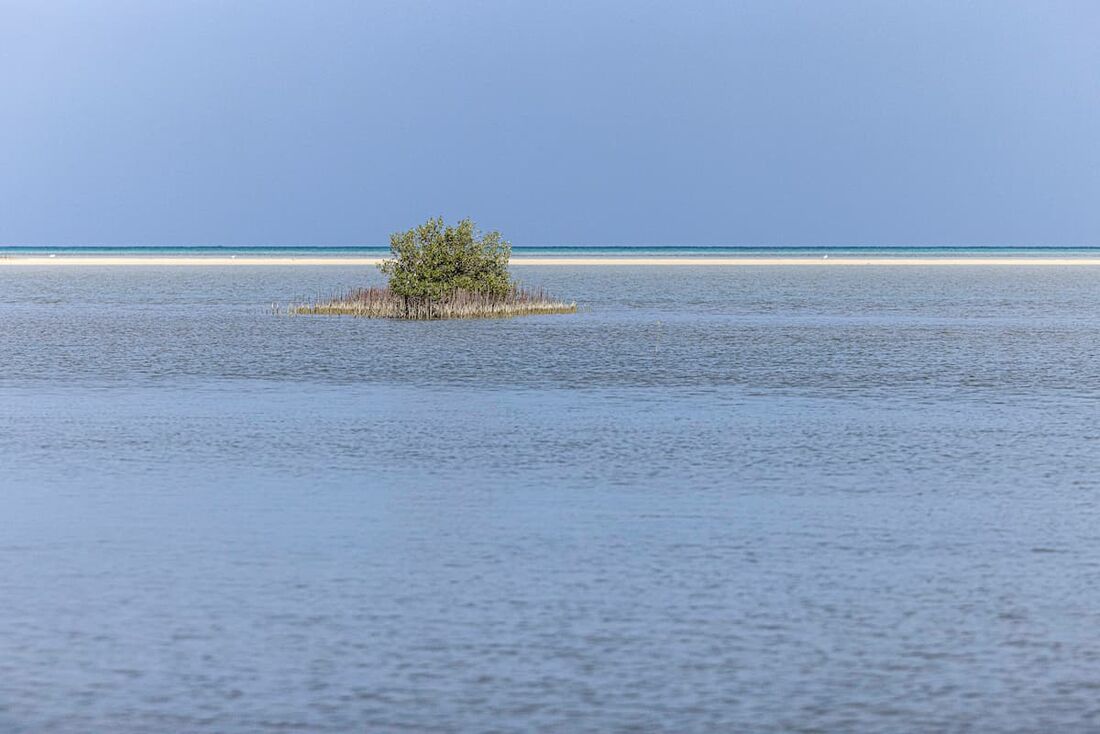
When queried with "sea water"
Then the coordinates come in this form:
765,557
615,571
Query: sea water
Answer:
716,499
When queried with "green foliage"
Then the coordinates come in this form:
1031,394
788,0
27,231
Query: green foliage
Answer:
433,261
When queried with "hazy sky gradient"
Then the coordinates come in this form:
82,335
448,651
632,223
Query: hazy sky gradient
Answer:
760,123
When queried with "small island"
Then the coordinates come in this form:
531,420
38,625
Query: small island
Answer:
441,271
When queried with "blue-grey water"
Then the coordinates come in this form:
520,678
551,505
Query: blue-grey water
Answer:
766,499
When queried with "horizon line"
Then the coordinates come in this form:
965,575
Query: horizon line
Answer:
8,246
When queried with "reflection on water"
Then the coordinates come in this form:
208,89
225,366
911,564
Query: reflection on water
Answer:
718,499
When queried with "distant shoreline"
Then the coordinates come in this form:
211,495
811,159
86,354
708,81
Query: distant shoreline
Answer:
568,260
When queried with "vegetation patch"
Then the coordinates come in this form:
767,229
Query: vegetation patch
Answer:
383,303
443,272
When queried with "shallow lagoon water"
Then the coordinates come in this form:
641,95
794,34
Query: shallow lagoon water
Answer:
764,499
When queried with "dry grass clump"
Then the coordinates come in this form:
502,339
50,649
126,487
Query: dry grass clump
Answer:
383,303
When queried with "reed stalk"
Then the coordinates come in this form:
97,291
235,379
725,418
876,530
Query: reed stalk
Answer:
383,303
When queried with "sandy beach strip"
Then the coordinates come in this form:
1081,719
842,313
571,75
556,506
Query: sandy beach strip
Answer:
683,261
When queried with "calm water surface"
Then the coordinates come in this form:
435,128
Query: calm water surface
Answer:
767,499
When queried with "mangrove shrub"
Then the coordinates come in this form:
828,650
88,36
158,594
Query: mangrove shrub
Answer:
434,261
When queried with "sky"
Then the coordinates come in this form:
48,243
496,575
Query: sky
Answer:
770,122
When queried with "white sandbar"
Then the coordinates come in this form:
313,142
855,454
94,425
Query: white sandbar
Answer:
253,260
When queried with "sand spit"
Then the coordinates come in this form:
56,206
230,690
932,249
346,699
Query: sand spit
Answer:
687,261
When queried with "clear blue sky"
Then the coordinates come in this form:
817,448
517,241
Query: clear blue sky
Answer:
769,122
